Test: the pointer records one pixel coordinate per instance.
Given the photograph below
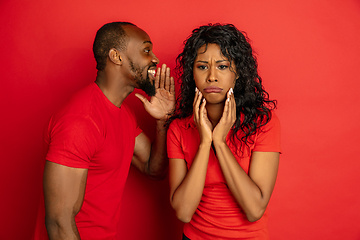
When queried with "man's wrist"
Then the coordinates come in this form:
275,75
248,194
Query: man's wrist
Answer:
161,124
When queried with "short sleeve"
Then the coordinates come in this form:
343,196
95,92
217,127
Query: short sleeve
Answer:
174,149
268,138
72,140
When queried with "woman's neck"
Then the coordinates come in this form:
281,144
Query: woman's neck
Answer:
214,112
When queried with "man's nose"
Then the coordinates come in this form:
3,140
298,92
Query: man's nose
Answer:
155,59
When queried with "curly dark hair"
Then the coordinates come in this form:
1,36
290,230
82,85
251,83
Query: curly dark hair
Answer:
111,35
253,106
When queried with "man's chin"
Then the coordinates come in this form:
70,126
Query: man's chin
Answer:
150,92
148,88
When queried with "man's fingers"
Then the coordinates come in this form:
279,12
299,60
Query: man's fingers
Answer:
162,76
167,79
157,78
142,98
172,85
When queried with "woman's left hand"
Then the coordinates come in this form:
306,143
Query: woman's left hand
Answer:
227,120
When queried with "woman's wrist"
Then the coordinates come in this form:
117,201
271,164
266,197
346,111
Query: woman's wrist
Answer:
219,142
205,144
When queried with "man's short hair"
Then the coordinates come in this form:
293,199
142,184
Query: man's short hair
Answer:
111,35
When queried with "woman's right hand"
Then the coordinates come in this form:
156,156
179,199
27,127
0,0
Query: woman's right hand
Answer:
227,120
201,120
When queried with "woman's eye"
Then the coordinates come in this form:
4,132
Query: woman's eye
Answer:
222,67
202,67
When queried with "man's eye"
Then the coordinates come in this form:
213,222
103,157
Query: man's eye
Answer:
147,50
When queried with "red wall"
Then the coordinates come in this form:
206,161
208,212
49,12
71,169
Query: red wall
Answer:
309,55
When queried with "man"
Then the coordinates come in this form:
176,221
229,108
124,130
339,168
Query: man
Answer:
94,138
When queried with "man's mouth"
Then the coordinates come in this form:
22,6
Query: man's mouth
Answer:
151,73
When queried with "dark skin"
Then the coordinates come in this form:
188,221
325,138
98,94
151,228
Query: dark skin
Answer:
64,187
214,119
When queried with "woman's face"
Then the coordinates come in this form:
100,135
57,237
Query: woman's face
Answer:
212,73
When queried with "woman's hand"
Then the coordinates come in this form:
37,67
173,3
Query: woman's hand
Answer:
227,120
201,120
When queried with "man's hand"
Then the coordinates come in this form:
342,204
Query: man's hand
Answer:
162,104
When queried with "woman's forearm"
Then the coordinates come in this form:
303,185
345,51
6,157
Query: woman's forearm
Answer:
251,198
187,196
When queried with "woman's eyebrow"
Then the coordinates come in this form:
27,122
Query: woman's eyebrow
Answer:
218,61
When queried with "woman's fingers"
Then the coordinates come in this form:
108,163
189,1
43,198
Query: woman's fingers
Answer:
233,108
196,104
202,111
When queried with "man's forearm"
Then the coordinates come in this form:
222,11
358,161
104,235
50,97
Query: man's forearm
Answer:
61,229
159,162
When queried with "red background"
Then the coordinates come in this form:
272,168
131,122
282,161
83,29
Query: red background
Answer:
308,53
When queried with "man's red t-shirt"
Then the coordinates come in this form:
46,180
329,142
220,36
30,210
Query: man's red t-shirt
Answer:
218,215
90,132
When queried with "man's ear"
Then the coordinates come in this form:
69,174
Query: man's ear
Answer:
115,56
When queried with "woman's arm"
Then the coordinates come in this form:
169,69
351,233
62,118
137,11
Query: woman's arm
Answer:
186,187
253,191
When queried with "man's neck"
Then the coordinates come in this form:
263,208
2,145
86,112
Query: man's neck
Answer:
115,89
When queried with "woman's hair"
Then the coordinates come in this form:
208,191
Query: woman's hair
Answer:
253,107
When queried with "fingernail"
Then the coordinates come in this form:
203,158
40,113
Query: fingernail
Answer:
196,89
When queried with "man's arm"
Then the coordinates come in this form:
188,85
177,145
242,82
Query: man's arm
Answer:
64,189
152,159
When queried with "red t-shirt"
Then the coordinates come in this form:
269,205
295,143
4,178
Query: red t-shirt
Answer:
218,215
90,132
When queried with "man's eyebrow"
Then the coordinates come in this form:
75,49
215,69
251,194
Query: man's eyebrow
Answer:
148,42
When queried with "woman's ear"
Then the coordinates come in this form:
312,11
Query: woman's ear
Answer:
115,57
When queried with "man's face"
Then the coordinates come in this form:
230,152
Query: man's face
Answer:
143,82
141,60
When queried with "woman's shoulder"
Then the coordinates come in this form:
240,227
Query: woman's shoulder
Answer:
184,123
274,120
271,124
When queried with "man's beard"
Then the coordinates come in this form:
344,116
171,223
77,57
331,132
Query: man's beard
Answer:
144,83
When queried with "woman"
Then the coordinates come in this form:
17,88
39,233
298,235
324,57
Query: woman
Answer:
224,139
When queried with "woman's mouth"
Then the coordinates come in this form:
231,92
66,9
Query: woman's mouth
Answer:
212,89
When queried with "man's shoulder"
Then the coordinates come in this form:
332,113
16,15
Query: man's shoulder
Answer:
80,102
79,108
